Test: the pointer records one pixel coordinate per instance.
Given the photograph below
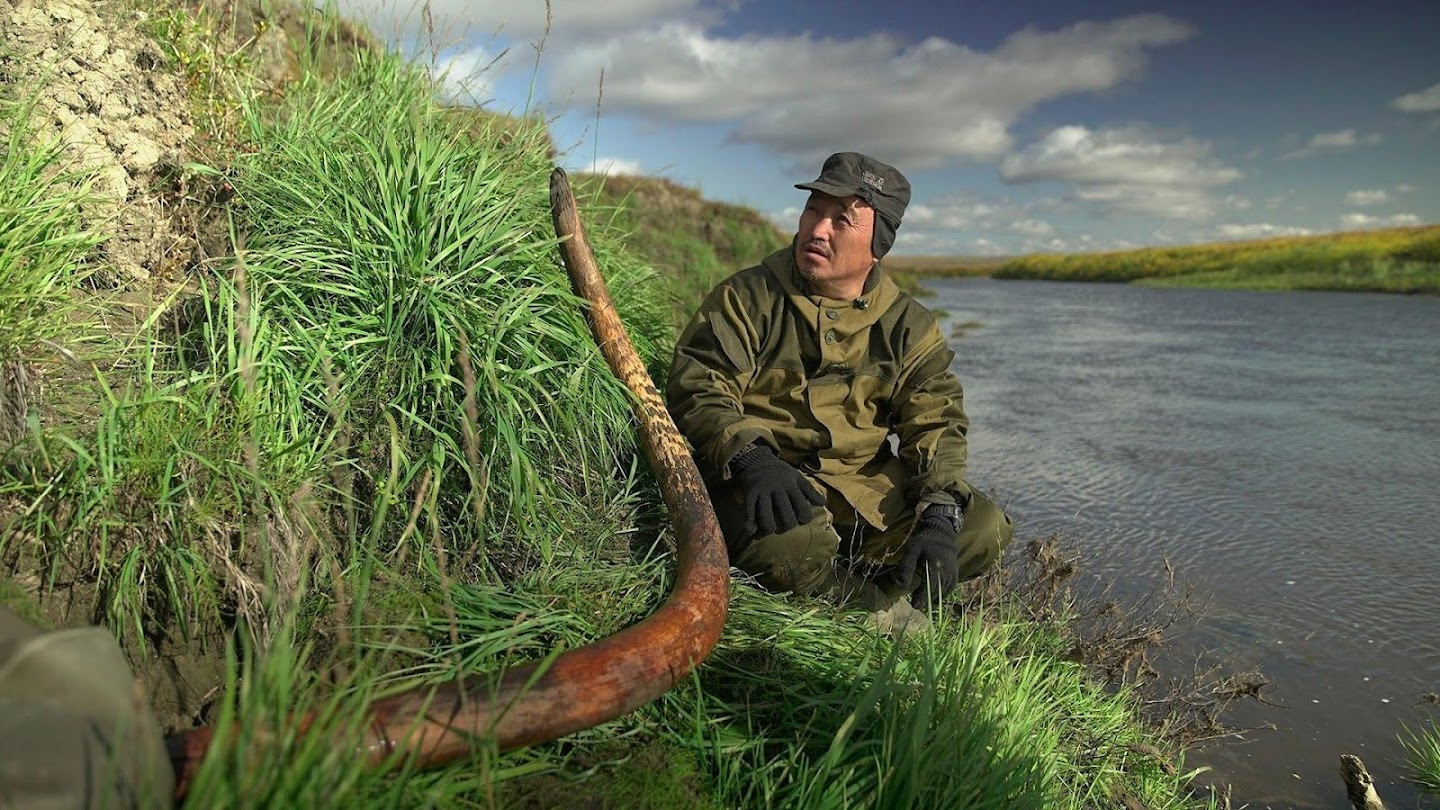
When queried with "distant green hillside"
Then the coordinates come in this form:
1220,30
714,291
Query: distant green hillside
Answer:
1399,260
694,241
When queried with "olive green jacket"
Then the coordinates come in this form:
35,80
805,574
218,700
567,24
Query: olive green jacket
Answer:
825,383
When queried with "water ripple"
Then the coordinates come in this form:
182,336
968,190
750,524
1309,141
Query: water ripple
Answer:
1281,451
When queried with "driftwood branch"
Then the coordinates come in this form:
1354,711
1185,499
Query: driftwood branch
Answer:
547,699
1359,785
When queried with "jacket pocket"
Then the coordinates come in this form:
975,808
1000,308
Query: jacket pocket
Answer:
731,345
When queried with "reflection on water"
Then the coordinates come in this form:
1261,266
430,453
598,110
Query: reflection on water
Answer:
1281,449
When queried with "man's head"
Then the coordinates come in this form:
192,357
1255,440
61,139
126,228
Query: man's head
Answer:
849,222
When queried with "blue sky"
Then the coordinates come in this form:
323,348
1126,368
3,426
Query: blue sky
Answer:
1022,126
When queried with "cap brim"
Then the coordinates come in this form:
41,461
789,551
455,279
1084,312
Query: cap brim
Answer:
833,189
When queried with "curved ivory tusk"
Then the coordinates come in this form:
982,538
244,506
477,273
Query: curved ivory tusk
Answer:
587,686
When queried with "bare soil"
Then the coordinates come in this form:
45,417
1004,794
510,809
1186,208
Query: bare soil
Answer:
104,91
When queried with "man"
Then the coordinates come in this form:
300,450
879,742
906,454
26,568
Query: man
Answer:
821,406
74,732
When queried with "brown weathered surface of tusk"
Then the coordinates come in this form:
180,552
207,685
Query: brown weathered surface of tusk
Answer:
581,688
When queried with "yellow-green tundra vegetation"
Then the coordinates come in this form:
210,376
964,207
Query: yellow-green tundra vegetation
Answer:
1395,260
243,251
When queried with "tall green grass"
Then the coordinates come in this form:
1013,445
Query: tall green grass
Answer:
1422,756
800,706
382,241
42,241
802,713
394,325
803,706
43,245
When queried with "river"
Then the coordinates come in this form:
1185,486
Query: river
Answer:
1282,450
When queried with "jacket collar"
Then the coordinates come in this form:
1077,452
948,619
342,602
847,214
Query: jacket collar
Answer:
876,297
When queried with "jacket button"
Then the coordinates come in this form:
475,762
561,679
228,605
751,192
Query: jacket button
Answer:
832,314
830,336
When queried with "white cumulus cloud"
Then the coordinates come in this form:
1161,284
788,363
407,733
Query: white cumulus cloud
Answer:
1260,230
1279,200
1427,100
1354,221
1126,170
917,243
1338,141
984,247
918,104
1368,196
1031,227
464,77
613,166
956,213
965,212
514,20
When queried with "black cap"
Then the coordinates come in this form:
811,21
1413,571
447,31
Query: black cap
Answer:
882,186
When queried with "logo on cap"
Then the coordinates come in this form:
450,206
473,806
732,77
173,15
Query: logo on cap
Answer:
877,182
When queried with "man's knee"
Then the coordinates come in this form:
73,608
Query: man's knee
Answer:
799,560
986,532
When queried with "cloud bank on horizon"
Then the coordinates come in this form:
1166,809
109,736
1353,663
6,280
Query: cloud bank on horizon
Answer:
1020,130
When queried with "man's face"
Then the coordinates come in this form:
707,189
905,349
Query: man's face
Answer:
833,247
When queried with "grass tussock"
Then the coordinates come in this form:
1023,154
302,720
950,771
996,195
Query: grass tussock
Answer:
381,241
1422,754
1398,260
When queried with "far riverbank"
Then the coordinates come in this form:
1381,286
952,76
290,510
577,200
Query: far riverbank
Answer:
1396,260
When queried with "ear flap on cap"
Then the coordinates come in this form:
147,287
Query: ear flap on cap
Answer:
883,237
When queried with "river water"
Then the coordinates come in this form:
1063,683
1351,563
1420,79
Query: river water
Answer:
1282,450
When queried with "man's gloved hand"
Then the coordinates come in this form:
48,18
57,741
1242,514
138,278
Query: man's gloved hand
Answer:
777,496
931,567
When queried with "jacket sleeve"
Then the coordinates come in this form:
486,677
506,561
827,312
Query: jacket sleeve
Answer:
714,362
929,415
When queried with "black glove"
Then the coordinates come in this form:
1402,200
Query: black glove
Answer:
777,496
931,567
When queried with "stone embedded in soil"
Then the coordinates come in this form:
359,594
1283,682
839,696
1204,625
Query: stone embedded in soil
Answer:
61,12
70,99
114,111
95,88
138,153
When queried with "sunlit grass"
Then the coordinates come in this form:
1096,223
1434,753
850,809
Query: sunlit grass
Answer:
381,240
317,377
1401,260
1422,756
43,243
802,705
